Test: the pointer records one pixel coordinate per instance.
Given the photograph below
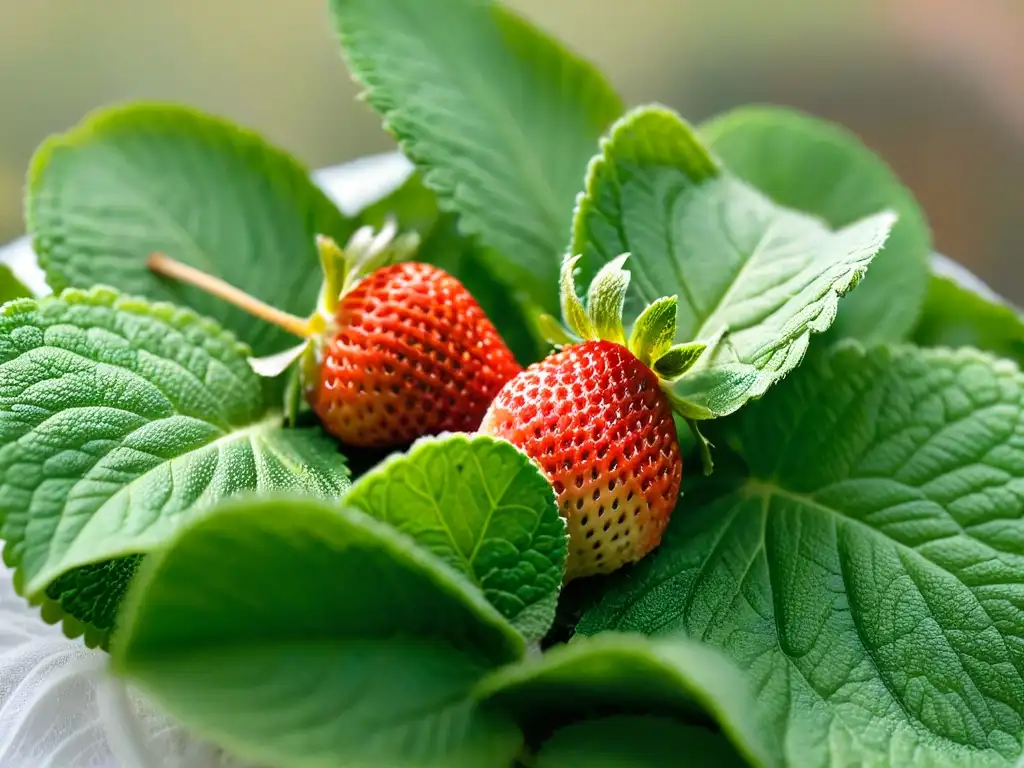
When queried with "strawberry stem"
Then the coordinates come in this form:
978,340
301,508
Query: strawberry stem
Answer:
164,265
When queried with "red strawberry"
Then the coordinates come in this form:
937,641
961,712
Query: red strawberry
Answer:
409,353
392,353
596,420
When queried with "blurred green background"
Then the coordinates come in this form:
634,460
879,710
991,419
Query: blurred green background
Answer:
935,86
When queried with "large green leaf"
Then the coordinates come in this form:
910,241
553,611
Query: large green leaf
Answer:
501,119
814,166
738,263
618,674
299,634
415,208
636,742
865,565
120,419
961,311
133,180
484,508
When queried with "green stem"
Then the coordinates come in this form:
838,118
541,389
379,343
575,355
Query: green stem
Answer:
703,446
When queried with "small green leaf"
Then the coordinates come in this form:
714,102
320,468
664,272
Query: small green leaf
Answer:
678,360
553,330
606,298
814,166
766,276
630,674
654,330
10,286
134,180
121,419
636,742
499,117
485,509
573,312
860,558
296,633
961,311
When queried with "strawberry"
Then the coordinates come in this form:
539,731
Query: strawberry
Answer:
393,353
597,420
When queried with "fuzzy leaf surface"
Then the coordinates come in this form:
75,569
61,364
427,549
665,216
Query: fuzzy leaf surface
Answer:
500,118
297,633
485,509
133,180
863,563
814,166
767,276
120,419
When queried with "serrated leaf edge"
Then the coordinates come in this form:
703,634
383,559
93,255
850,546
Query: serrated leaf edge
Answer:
95,123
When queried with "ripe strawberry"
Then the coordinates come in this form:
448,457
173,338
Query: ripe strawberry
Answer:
393,352
596,420
409,353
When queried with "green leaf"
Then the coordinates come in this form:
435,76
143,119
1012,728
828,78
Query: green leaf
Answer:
85,600
864,564
961,311
678,360
605,299
630,675
133,180
10,286
654,330
296,633
636,742
765,276
485,509
500,118
573,313
415,208
814,166
120,419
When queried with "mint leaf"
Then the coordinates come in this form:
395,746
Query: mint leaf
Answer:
486,510
10,286
415,208
765,276
296,633
636,742
864,564
500,118
133,180
962,311
120,419
817,167
630,675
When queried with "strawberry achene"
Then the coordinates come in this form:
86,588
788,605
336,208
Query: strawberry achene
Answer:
595,419
410,353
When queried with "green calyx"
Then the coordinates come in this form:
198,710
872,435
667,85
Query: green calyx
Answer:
366,251
653,333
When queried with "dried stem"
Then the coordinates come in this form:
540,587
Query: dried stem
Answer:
168,267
